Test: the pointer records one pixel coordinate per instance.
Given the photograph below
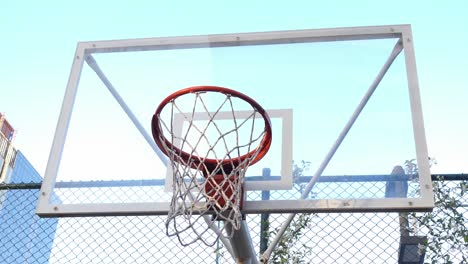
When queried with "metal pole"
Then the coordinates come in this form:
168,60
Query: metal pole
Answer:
241,244
399,189
396,50
265,218
217,249
93,64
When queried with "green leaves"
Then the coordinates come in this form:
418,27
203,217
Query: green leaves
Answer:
446,225
290,249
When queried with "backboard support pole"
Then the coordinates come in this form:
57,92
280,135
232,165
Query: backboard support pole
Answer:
93,65
394,54
241,243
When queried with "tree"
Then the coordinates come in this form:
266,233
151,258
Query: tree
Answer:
445,227
290,249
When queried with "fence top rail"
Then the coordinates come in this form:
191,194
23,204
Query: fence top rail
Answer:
304,179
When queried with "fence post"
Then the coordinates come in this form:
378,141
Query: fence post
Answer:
264,218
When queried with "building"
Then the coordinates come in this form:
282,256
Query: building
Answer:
7,152
24,237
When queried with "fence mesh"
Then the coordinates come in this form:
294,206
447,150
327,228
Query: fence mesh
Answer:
318,238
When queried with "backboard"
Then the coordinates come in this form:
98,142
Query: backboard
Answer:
344,105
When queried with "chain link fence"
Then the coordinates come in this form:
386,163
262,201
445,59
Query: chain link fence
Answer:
313,238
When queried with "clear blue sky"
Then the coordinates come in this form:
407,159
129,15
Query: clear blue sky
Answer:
38,40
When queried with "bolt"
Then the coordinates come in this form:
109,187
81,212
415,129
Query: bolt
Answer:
43,193
77,57
94,45
55,208
410,203
408,40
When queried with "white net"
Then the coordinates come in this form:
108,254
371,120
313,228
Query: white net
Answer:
209,151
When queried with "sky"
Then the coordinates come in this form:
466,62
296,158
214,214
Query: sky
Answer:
39,41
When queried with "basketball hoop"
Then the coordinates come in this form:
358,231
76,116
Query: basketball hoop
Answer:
209,157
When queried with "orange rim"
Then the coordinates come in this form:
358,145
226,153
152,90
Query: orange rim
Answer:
211,164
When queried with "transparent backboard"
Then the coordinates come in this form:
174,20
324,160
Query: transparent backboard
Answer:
344,105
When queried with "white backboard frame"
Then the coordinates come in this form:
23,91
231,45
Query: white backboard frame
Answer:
84,53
